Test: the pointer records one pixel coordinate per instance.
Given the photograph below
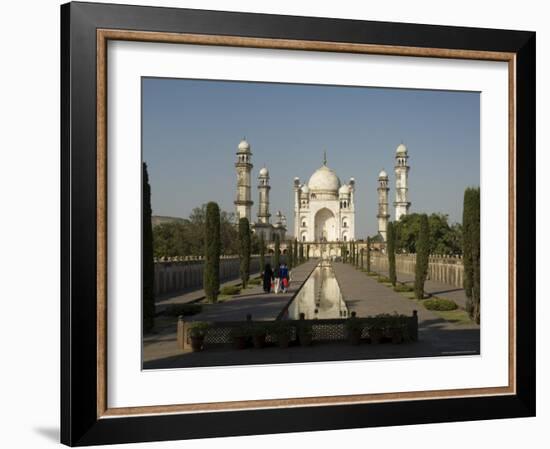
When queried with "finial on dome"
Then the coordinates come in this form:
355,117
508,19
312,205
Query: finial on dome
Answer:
325,158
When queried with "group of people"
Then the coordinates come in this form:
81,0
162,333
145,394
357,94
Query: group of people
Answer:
277,279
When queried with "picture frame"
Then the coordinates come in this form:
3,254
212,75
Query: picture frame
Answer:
86,28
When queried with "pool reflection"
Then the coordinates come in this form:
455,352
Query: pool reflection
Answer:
320,297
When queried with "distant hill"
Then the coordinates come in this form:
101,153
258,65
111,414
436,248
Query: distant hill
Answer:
159,219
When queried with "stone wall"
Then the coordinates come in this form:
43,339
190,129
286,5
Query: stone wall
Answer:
181,274
445,269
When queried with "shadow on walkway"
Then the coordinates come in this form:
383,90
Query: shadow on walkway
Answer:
434,341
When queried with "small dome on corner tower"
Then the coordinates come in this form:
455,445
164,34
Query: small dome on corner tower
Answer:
401,149
244,146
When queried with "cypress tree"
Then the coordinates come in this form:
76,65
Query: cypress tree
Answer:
212,250
295,253
368,254
471,252
476,254
468,280
362,259
245,246
390,234
307,252
262,252
422,257
301,252
277,251
148,266
289,255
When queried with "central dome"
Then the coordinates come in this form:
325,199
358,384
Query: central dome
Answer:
323,180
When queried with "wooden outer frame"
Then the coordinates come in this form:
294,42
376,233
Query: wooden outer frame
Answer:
95,25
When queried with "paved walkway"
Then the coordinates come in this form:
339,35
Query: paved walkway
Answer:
366,296
435,288
261,306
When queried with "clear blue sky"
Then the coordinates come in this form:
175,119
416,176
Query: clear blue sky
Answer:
191,129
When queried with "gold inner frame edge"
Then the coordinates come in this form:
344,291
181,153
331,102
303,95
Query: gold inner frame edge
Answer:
104,35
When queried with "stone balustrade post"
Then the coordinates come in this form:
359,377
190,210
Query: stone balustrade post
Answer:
182,335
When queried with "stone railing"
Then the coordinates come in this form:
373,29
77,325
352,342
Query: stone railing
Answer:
445,269
180,274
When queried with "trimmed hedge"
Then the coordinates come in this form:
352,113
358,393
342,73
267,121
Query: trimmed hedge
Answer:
440,304
183,309
229,290
403,288
255,281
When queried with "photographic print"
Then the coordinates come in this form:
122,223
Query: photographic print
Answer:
287,223
291,206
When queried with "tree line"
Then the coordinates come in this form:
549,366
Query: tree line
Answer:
186,237
444,238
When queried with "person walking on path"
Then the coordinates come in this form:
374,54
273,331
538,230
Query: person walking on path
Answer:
277,279
268,278
285,277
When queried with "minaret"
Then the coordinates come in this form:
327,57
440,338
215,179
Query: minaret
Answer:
263,189
297,192
401,182
243,202
383,215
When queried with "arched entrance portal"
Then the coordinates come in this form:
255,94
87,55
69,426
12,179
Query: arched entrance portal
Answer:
325,226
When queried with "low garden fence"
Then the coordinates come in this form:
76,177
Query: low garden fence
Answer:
373,329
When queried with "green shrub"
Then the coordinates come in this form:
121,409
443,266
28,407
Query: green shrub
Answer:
230,290
183,309
281,328
440,304
255,281
305,328
260,329
199,329
403,288
244,330
354,324
384,280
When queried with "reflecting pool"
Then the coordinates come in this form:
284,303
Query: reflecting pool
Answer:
320,297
